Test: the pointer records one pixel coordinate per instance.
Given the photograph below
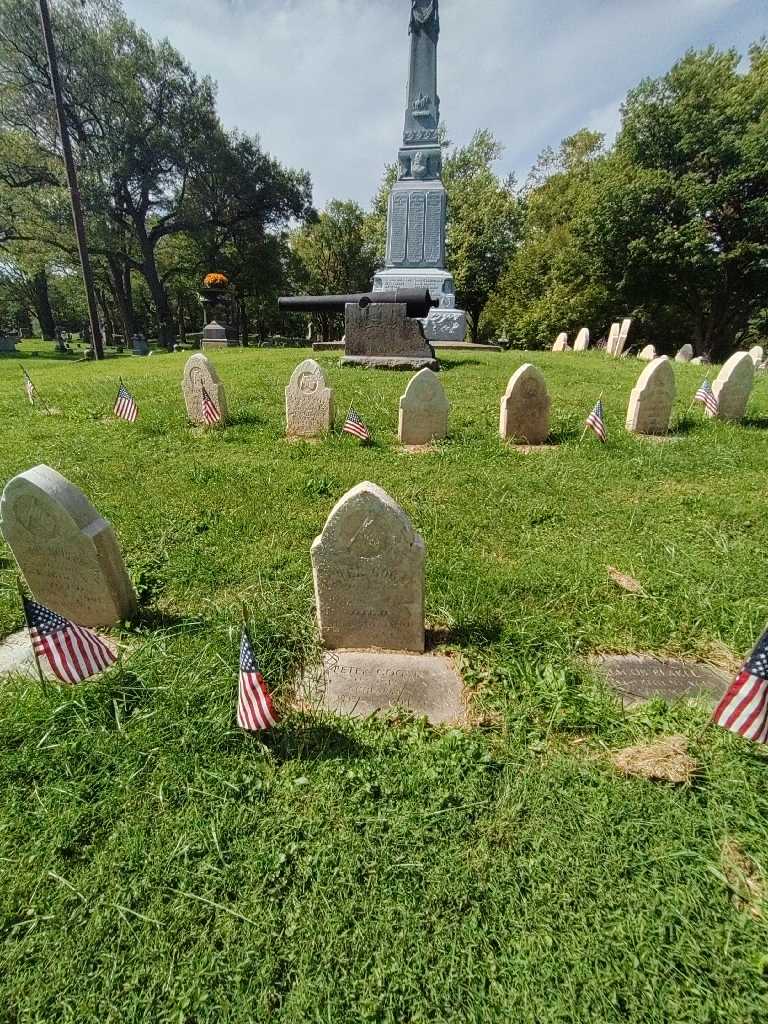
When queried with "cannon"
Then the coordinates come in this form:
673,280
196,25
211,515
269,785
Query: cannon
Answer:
417,302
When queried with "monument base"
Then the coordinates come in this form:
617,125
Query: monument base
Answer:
390,363
205,345
363,683
446,323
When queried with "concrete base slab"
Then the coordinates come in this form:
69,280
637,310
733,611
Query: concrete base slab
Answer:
444,346
390,363
17,657
531,449
641,677
363,683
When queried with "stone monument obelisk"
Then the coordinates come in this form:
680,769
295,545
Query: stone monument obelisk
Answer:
417,204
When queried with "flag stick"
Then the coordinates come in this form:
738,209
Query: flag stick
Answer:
45,404
39,667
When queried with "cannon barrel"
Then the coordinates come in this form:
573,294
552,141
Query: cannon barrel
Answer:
417,301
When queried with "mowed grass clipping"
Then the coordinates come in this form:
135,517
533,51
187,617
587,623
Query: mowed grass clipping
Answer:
157,864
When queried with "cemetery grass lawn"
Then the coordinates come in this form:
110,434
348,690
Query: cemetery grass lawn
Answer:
157,864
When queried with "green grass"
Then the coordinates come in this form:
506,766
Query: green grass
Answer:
156,864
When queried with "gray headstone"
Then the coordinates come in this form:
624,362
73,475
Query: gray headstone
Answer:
651,401
368,567
648,354
8,343
685,355
140,347
525,407
381,335
733,386
424,410
308,402
66,551
758,355
200,373
638,678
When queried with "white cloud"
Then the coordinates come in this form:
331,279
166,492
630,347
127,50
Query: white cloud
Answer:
323,81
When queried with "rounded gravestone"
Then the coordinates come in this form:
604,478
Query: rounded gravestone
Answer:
525,407
308,402
651,401
368,568
66,551
733,386
685,355
582,340
199,374
424,410
757,354
561,344
648,354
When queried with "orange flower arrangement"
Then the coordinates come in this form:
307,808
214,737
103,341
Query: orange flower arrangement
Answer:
215,281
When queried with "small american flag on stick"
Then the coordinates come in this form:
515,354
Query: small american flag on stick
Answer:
211,412
30,388
72,652
744,709
125,406
707,397
254,704
596,421
354,425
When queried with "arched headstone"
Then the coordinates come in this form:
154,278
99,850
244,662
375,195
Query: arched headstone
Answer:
525,407
66,551
200,373
651,401
308,402
368,567
685,355
561,345
423,410
582,340
648,354
757,354
733,386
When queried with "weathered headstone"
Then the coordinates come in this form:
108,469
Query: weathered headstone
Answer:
733,386
700,361
423,410
368,567
685,355
758,354
648,354
382,336
638,678
8,342
651,401
200,373
561,344
613,337
140,347
622,339
582,340
65,550
525,407
308,402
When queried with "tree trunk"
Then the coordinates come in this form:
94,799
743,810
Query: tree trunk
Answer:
474,317
245,326
120,279
38,287
166,333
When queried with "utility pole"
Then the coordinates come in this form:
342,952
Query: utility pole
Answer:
74,189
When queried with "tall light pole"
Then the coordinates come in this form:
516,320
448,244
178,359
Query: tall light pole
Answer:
74,188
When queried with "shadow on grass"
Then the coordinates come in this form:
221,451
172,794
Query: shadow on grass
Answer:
755,422
465,634
455,364
154,619
247,418
314,740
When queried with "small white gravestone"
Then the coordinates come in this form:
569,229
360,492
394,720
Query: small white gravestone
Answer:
613,337
525,407
561,345
423,410
199,374
648,354
757,354
308,402
66,552
733,386
582,340
622,339
368,566
651,401
685,355
699,361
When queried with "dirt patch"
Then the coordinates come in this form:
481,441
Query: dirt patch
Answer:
664,761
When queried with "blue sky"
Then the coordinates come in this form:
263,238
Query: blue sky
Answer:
322,82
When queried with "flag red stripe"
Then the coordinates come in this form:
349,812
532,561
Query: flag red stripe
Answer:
743,691
755,723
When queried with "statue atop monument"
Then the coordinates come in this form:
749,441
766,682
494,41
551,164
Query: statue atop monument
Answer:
418,201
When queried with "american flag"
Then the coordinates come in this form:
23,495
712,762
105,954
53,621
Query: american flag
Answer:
211,413
29,387
355,426
596,421
254,704
72,652
706,395
125,406
744,709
